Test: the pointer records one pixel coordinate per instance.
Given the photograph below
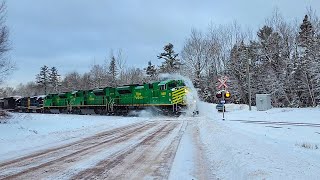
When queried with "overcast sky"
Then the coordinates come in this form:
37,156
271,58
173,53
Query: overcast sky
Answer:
73,34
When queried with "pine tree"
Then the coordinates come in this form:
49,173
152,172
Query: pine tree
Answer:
113,71
42,78
237,72
54,79
307,60
306,33
151,71
171,62
273,72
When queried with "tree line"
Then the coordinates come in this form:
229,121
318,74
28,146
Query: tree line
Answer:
283,59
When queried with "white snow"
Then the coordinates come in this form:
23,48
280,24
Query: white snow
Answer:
29,132
257,151
231,149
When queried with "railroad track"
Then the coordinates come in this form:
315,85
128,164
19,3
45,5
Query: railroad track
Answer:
280,123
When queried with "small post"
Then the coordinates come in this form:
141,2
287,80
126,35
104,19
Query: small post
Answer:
223,92
249,82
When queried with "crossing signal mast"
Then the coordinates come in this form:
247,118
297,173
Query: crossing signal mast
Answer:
223,94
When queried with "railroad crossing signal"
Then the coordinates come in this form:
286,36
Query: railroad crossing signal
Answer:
219,95
223,93
227,95
223,82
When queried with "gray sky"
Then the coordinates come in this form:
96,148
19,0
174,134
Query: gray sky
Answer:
73,34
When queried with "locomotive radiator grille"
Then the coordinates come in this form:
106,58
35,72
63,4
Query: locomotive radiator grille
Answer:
178,95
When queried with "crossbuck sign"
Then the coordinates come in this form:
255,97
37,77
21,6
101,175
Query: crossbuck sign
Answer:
223,82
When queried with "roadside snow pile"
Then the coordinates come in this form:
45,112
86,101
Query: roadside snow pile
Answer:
26,132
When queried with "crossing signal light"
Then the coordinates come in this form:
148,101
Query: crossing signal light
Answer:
219,95
227,95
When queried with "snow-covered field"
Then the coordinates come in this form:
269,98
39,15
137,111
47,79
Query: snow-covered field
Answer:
246,150
274,144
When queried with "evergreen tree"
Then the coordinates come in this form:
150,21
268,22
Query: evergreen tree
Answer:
306,34
237,72
151,71
306,71
113,71
171,62
54,79
273,72
43,79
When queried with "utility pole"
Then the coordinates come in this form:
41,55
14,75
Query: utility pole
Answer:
248,79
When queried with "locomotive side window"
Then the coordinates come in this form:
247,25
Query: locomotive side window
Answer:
99,93
150,86
124,91
163,87
63,96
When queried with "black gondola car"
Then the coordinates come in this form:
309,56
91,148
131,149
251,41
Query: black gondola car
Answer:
9,103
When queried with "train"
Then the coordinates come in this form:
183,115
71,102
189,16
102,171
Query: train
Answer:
166,97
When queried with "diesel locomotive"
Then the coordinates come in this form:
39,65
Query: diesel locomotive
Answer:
166,97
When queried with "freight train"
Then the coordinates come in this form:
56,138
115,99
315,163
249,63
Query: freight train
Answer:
166,97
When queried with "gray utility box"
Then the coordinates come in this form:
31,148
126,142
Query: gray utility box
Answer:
263,102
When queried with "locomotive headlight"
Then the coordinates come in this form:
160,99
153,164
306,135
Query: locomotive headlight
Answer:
186,91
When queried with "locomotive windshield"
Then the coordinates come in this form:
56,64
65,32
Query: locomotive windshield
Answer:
172,85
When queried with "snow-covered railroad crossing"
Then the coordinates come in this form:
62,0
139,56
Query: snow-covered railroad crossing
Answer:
275,144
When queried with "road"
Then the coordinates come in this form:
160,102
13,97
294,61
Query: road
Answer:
140,150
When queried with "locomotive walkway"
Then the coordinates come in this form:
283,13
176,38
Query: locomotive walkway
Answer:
135,151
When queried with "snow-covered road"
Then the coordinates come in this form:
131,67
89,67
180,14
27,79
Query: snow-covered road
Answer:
145,149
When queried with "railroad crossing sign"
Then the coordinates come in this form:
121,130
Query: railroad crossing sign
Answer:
223,82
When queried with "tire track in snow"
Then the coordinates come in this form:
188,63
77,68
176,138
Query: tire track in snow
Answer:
42,161
150,157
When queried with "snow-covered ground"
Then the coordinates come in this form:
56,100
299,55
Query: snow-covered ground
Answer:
281,143
242,150
25,133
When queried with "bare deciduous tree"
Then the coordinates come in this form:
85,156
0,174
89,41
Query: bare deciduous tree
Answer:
6,66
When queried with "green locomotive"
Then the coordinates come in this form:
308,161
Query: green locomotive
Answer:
168,96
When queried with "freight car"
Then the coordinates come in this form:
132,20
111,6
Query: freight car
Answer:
30,104
9,103
167,96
